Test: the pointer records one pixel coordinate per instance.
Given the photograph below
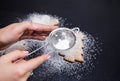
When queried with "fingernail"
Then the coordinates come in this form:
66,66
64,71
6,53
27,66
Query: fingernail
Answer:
44,37
25,52
48,56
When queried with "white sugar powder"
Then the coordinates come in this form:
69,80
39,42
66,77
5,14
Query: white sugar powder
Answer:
57,69
62,44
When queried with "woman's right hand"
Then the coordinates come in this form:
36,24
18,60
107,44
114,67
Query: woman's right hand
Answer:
13,69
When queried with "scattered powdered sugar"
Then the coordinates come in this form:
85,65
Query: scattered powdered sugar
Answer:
56,68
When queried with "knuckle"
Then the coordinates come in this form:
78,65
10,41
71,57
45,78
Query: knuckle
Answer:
17,51
27,23
19,72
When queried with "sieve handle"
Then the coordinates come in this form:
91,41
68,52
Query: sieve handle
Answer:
31,52
76,30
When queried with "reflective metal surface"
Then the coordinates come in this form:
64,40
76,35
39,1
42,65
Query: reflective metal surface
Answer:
62,38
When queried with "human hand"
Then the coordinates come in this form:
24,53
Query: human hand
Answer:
12,69
23,30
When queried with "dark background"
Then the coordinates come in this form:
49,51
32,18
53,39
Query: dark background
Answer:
101,18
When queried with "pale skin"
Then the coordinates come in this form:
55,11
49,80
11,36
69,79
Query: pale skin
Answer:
12,69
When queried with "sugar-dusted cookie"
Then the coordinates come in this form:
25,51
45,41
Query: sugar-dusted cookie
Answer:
20,45
76,52
43,19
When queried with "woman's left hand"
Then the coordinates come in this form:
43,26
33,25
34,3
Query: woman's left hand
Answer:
24,30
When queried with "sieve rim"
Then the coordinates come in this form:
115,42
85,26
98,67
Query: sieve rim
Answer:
70,30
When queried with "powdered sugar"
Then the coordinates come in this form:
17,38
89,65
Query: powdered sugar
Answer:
56,68
62,44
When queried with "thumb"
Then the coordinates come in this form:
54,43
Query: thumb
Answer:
34,63
15,55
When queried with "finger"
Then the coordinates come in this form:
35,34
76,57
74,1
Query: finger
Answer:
34,63
23,26
33,37
15,55
27,25
20,61
45,33
41,27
